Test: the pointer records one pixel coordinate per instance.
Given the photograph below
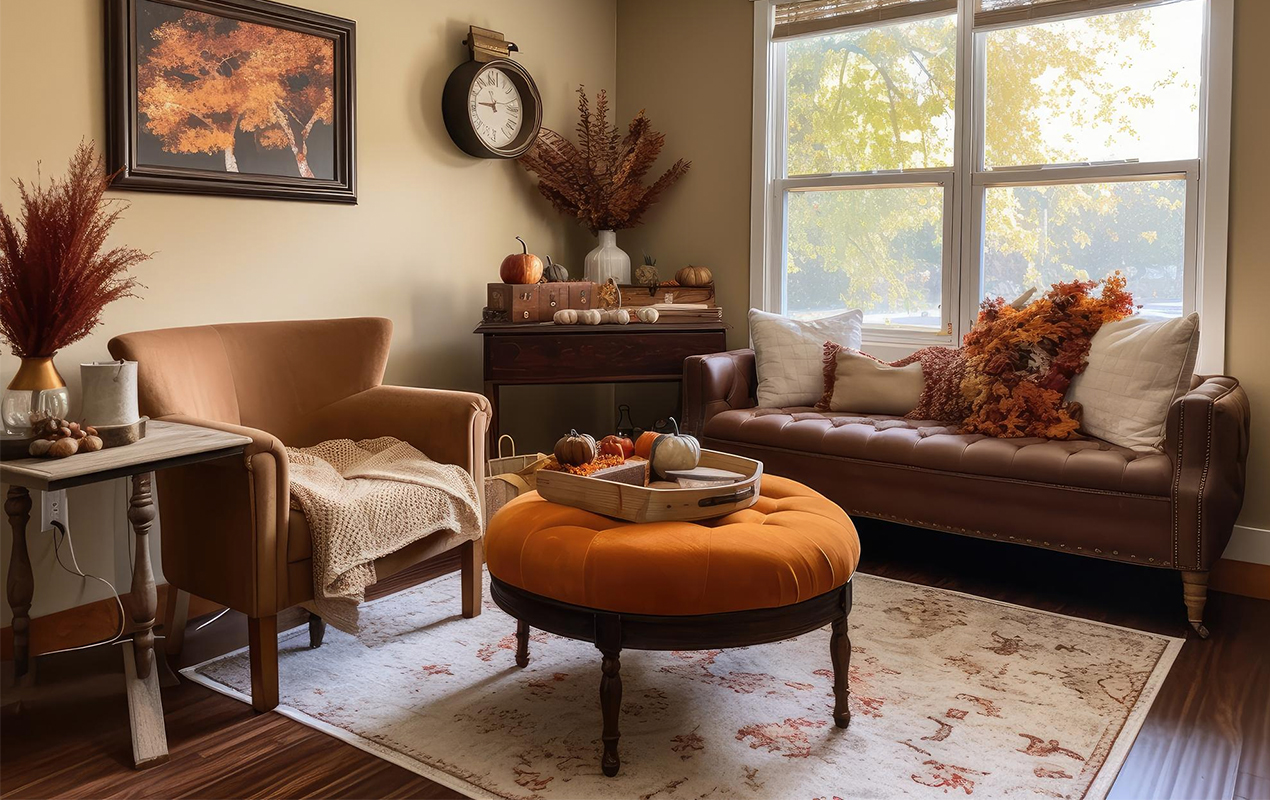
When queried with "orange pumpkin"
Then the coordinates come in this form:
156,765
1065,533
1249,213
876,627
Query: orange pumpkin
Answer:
694,276
644,444
617,446
523,267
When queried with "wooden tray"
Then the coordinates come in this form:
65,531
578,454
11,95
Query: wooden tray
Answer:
646,504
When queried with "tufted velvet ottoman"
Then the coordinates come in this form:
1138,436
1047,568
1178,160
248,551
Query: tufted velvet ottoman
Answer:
772,571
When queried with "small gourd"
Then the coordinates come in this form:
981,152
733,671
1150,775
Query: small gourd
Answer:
647,314
590,316
618,316
575,449
694,276
554,273
673,451
566,316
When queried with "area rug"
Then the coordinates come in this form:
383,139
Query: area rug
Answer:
951,695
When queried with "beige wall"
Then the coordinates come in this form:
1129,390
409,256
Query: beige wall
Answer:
1248,276
690,64
428,233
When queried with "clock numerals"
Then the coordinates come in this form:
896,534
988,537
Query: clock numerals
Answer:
494,108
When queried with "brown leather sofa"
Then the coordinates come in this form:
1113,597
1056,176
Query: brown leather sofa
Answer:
229,532
1173,509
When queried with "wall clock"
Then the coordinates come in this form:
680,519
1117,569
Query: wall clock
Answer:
491,105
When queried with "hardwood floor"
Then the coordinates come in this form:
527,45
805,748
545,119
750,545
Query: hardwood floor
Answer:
1207,735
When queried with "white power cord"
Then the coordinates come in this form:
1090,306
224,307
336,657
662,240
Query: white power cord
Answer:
59,528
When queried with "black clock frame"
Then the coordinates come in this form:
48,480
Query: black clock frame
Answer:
454,108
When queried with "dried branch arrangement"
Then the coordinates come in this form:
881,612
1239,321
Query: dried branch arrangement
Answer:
600,180
54,278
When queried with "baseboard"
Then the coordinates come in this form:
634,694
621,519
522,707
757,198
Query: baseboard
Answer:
91,622
1241,577
1249,544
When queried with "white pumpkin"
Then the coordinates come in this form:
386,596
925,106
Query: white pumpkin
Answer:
565,316
647,314
590,316
674,451
618,316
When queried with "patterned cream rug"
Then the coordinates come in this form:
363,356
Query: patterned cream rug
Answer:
951,695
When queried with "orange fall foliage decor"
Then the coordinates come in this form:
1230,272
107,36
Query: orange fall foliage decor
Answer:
600,180
55,278
1019,362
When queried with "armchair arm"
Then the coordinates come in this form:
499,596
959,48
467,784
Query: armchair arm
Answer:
448,426
214,515
717,382
1207,438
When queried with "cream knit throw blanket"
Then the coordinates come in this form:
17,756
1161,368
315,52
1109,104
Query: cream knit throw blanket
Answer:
364,500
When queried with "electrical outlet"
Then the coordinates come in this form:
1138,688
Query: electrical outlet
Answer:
52,508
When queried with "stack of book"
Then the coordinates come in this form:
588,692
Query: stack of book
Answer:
688,312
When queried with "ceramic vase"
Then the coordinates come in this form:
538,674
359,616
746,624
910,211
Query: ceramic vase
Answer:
608,261
36,391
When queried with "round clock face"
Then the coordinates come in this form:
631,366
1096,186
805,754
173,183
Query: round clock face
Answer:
492,109
495,108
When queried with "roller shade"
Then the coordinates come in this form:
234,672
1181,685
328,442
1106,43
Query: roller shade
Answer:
989,13
805,17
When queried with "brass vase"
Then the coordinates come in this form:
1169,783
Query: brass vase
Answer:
36,391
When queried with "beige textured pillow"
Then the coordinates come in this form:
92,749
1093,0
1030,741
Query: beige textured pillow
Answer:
1136,369
788,354
864,385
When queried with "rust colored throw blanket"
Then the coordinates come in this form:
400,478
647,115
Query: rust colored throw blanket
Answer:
368,499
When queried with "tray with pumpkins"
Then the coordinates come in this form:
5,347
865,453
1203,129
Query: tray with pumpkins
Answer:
658,478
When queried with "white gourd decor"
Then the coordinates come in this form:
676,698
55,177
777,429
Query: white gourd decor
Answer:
673,451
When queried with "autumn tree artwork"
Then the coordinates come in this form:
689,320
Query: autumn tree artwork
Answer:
215,93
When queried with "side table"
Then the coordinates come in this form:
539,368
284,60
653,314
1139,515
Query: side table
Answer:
166,445
545,353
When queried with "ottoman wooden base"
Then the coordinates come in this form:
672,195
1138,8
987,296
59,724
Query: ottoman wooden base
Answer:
612,631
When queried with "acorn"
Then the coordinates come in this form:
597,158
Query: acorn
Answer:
63,448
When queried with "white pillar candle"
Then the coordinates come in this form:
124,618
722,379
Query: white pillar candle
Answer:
110,393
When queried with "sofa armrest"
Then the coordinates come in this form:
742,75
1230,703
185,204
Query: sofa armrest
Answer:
218,516
715,383
448,426
1207,439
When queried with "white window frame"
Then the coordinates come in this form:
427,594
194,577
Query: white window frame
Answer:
1207,197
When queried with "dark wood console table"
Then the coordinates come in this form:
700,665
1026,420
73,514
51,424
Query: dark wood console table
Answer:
545,353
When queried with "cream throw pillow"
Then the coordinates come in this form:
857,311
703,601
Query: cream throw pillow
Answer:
864,385
1136,369
788,354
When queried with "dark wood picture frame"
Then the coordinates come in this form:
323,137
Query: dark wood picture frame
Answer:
121,107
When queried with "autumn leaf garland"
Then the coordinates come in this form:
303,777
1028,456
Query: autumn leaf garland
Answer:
600,180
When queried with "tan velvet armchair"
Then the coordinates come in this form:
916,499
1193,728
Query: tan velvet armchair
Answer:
229,532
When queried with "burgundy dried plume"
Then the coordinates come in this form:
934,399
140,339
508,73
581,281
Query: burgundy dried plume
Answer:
54,278
600,180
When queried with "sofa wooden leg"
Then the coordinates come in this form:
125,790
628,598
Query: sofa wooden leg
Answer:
1195,592
262,643
317,630
175,620
471,561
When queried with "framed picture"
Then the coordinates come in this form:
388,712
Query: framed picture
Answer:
233,97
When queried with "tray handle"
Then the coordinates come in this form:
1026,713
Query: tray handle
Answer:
721,500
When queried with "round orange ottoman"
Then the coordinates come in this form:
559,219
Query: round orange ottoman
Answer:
772,571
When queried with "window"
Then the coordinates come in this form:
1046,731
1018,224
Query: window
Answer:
918,155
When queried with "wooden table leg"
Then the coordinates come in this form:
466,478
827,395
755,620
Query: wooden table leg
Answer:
840,652
608,638
145,707
21,585
522,643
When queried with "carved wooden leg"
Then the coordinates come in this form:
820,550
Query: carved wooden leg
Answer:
145,599
1195,592
262,644
471,559
522,643
840,652
317,630
145,707
611,708
21,584
175,619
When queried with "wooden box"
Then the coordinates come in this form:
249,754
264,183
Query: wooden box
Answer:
651,504
538,302
638,296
